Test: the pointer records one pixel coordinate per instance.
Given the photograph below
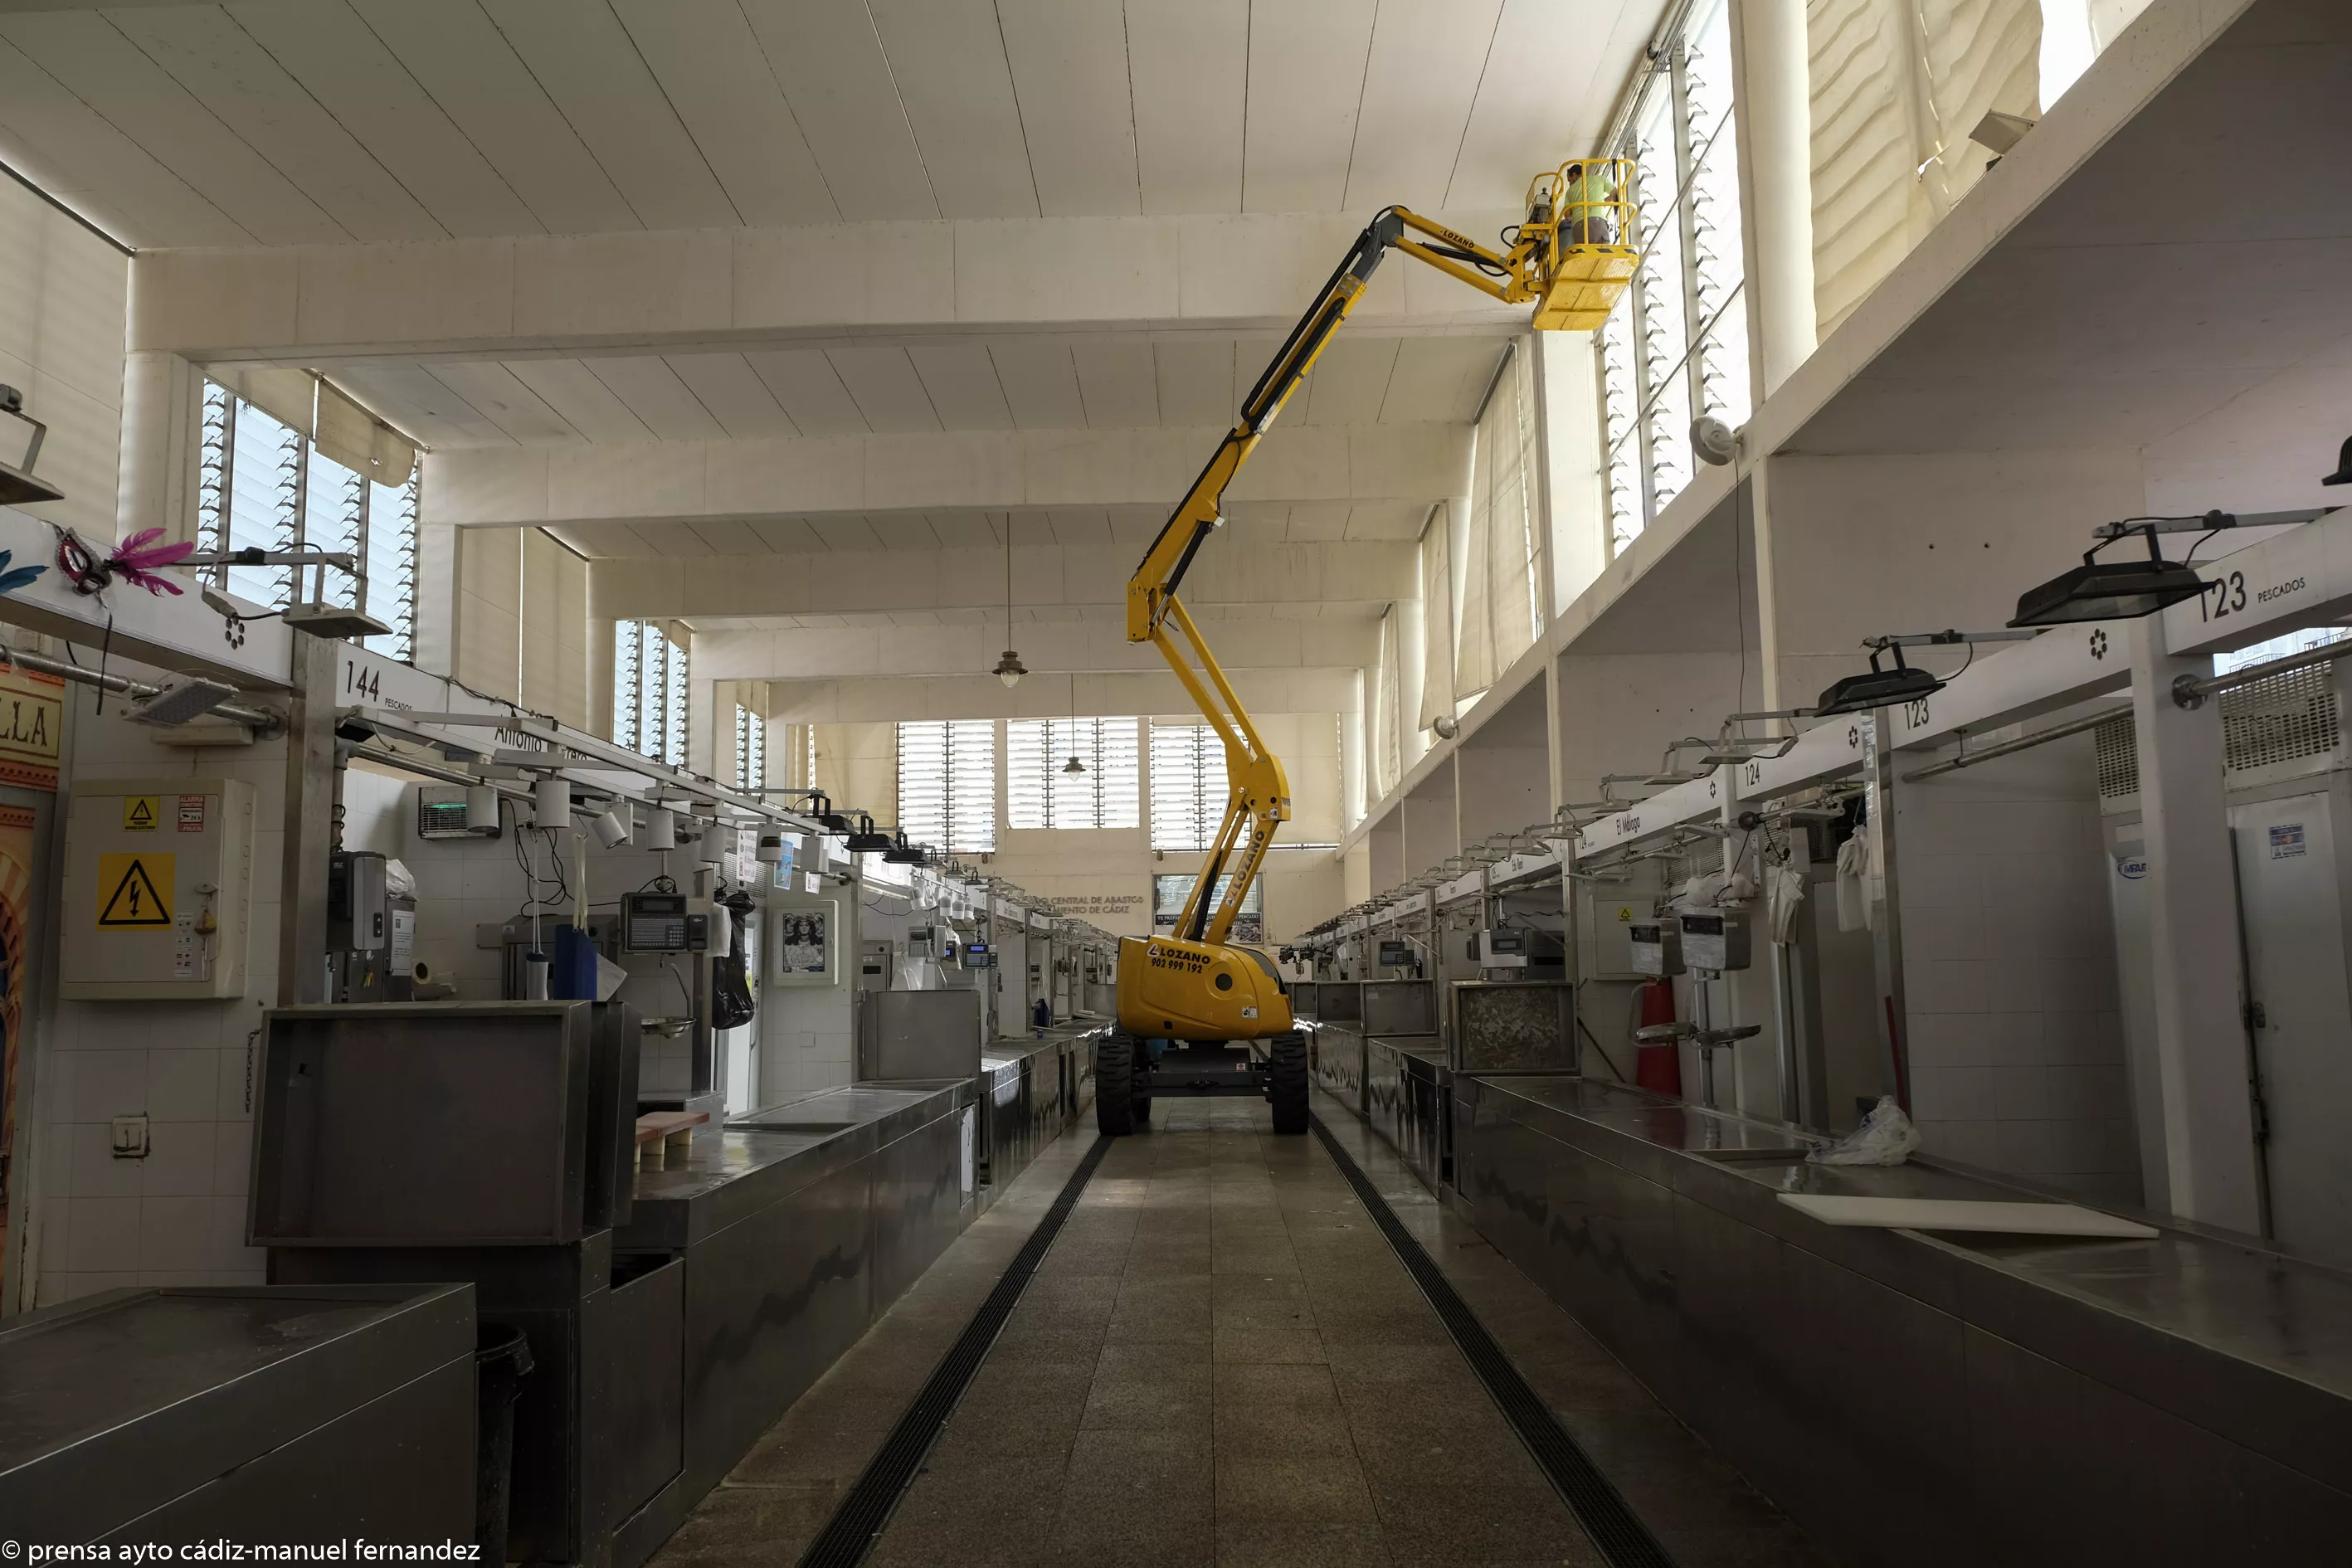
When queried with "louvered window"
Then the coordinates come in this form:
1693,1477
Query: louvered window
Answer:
263,484
946,784
1676,345
649,686
1040,791
750,748
1189,790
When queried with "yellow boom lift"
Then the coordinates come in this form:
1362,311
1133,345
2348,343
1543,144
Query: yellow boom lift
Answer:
1186,999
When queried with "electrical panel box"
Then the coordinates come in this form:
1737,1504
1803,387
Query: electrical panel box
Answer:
1655,948
158,890
805,949
1715,942
874,964
1610,921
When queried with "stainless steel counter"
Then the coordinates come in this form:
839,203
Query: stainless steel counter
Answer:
1919,1398
1030,1092
793,1229
261,1415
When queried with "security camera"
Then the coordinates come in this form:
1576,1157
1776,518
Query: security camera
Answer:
1715,442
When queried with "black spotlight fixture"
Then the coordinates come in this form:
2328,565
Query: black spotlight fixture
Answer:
1875,688
2119,590
902,853
865,838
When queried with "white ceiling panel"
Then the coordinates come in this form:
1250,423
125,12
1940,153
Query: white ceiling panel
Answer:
457,54
1387,520
1440,379
507,403
845,532
1251,356
1196,382
1351,379
1129,526
584,59
1427,61
235,77
95,62
1119,383
963,530
948,58
328,49
1305,78
886,387
673,539
586,403
804,385
964,392
786,535
1070,60
1547,92
58,139
1040,384
904,531
1189,61
727,385
727,538
709,65
599,541
826,55
414,401
1317,520
654,395
1080,524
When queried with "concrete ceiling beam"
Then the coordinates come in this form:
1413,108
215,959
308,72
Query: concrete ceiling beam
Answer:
690,480
896,281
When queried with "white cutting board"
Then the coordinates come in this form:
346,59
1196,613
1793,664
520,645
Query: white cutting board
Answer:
1962,1214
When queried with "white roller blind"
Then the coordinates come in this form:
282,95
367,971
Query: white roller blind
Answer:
1896,85
1387,740
1502,545
1436,581
1189,789
360,441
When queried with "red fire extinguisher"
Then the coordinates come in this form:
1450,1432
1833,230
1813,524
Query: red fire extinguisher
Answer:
1658,1067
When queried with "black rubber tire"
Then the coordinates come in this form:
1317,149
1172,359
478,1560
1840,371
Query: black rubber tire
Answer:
1286,1081
1142,1103
1115,1085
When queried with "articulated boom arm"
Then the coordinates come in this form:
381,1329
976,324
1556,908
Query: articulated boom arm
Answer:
1533,269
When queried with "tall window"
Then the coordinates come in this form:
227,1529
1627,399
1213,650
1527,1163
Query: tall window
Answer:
946,784
1676,345
1189,791
262,484
1040,791
649,686
1169,892
750,748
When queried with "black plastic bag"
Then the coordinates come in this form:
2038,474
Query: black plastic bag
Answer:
730,983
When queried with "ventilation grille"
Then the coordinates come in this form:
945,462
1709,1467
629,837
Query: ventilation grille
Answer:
2280,719
2117,748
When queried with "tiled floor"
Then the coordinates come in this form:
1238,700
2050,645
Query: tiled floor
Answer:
1221,1361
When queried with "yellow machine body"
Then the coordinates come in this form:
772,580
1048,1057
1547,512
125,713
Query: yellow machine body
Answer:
1572,257
1174,990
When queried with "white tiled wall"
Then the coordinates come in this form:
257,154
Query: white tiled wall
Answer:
2016,1043
178,1216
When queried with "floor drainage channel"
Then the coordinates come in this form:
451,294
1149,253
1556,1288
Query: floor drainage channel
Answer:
864,1510
1614,1528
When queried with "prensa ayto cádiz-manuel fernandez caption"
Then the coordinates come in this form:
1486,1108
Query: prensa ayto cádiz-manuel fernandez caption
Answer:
244,1551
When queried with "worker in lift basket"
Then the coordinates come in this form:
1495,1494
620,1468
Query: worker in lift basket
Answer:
1587,204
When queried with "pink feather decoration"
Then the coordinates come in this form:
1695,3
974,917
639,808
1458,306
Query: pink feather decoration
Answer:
137,557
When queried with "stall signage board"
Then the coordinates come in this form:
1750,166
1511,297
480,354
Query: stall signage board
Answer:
32,717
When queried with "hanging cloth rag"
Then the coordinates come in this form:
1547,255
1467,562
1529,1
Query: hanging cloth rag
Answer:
1852,883
1784,890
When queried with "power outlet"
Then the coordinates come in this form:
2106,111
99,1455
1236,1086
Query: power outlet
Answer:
131,1137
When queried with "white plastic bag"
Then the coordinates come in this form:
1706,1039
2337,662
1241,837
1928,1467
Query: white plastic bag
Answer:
1884,1138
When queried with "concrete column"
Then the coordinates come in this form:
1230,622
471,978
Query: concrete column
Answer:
156,474
1774,117
2209,1158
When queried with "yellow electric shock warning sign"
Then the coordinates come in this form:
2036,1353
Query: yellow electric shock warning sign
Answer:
142,813
135,891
